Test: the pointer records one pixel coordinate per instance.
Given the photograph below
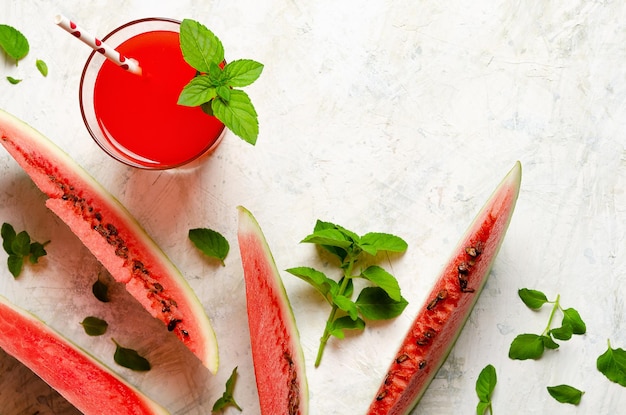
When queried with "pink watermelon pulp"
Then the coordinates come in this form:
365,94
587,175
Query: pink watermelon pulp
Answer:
113,236
276,351
447,307
85,382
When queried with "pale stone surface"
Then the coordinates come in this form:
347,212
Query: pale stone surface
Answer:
393,116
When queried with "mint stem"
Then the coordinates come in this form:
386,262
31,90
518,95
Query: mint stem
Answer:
552,313
333,312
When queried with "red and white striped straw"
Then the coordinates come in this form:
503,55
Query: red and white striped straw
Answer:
129,64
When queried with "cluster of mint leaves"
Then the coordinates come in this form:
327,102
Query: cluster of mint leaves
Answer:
16,47
380,301
214,88
612,363
20,247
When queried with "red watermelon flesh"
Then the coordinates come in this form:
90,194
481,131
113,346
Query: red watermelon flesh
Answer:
276,351
447,307
85,382
113,236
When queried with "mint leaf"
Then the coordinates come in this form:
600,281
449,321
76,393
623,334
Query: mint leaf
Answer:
13,81
317,279
15,264
94,326
101,291
527,346
210,243
42,67
8,235
565,394
227,398
198,91
562,333
242,72
130,359
347,305
573,319
532,298
375,304
329,237
238,115
384,280
20,247
612,364
340,324
485,385
374,242
549,343
21,244
13,42
224,92
200,47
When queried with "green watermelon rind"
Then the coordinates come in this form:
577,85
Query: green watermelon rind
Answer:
509,186
88,396
45,150
249,227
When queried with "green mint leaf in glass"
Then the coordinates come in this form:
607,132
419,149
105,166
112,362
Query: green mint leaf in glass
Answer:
612,364
317,279
42,67
130,359
375,304
13,42
238,115
573,319
527,346
565,394
337,327
8,236
227,398
94,326
485,385
532,298
210,243
198,91
200,47
242,72
13,81
384,280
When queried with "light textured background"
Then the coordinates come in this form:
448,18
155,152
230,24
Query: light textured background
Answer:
394,116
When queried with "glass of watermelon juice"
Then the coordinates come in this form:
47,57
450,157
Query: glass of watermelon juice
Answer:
136,118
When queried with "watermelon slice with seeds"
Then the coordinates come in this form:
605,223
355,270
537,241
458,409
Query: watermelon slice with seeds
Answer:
85,382
113,236
442,317
276,350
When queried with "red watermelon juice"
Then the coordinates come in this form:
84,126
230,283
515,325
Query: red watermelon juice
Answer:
136,118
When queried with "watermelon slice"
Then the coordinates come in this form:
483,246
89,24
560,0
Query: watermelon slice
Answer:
276,350
113,236
85,382
447,307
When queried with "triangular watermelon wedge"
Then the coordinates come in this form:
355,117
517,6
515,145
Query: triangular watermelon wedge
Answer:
276,350
113,236
85,382
441,318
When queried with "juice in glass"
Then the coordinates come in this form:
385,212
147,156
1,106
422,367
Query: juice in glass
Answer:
135,118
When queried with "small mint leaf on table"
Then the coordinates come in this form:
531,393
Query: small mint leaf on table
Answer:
527,346
13,81
564,332
8,236
227,398
42,67
572,318
485,385
101,291
15,264
612,364
129,358
13,42
210,243
565,394
94,326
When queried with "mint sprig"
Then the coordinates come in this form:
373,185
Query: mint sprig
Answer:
213,88
485,385
227,398
379,301
20,247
